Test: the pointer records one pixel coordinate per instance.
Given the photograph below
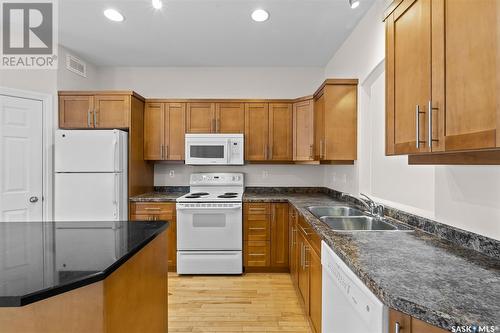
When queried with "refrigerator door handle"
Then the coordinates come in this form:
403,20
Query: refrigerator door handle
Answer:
116,194
115,152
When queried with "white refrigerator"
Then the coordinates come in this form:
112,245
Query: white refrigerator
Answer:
90,175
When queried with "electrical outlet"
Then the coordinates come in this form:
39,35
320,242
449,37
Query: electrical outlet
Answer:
171,173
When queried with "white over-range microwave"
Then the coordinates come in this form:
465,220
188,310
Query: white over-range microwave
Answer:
214,149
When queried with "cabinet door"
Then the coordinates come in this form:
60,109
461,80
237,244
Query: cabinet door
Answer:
470,47
319,127
408,76
175,115
156,212
154,125
303,269
280,132
315,274
230,117
279,235
200,118
111,111
256,131
76,112
340,136
292,216
303,131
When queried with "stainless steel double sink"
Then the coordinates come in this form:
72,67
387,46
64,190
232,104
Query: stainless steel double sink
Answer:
345,218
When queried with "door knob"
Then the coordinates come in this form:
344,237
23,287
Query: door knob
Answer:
33,199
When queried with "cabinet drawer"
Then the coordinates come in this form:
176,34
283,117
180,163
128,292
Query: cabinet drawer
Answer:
257,229
309,234
166,209
258,209
256,253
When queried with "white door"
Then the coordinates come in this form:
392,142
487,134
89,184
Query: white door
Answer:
21,163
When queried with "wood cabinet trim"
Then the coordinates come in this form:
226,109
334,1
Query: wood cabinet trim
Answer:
101,92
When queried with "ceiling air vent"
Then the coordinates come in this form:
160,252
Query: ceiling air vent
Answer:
76,65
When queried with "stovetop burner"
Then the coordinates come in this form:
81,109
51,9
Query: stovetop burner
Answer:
199,193
230,193
227,196
193,196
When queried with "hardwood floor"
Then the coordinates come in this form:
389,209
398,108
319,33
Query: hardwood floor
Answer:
251,303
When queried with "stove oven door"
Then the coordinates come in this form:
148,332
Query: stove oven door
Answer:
209,227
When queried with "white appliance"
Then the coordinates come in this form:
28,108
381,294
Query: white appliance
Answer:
210,225
208,149
90,175
347,304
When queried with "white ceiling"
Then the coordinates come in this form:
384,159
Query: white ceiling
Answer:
208,32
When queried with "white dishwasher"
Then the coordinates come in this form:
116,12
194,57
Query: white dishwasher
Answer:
347,304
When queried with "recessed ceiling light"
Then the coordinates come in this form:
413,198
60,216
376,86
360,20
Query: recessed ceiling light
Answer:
157,4
113,15
260,15
354,3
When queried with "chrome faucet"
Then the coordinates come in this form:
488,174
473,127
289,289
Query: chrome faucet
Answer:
372,207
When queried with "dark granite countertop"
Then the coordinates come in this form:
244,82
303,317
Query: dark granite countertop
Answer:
417,273
157,197
43,259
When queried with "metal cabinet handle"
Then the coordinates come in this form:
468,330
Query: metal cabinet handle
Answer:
256,254
303,230
417,129
33,199
306,250
397,328
256,228
320,148
302,255
161,151
167,152
95,119
311,152
213,129
88,118
217,125
430,139
152,208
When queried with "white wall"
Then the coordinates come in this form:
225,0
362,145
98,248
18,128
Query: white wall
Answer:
255,174
213,82
67,80
467,197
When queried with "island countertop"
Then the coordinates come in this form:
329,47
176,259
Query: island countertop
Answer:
43,259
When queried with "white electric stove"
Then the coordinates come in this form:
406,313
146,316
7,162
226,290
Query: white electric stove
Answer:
210,225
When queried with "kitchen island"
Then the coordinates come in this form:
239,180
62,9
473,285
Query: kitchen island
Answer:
83,277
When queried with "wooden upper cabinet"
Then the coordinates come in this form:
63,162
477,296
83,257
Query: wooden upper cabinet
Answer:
111,111
164,130
154,127
280,132
76,112
469,52
335,121
175,116
200,118
409,66
442,57
230,117
103,110
303,131
256,131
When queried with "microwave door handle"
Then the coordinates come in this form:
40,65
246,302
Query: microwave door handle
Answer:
228,154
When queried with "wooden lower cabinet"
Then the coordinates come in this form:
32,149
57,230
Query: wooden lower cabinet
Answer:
408,324
265,234
165,211
306,272
293,257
